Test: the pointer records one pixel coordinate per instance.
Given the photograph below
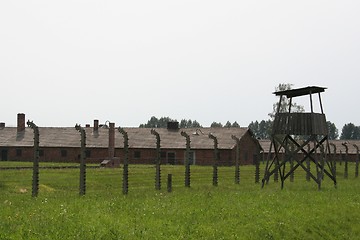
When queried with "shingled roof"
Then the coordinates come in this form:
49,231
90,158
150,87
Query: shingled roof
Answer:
138,137
349,143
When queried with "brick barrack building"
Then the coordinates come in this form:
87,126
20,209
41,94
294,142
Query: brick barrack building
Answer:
104,142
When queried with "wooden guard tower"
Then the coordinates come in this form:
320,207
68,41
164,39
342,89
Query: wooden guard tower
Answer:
298,137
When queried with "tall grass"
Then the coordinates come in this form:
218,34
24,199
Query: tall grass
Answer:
228,211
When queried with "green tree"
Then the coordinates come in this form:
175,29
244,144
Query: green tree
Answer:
350,131
183,123
254,127
227,124
151,123
265,128
196,124
261,130
216,125
235,124
333,132
285,102
189,124
154,122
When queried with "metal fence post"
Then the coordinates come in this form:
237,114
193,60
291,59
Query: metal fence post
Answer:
216,160
308,166
333,158
157,161
292,158
187,159
257,168
125,184
346,171
356,161
169,183
35,177
257,163
82,187
237,162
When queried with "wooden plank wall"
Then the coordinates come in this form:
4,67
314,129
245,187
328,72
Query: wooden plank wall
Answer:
300,124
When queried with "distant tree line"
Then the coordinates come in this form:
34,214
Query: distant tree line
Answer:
350,131
263,129
228,124
161,122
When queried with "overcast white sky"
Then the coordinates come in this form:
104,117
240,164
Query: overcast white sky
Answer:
66,62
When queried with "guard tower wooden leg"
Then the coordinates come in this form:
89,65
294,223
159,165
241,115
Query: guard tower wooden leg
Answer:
292,133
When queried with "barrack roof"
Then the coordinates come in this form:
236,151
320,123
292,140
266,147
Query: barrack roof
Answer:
138,137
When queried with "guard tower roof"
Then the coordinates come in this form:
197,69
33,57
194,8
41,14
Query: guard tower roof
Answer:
300,91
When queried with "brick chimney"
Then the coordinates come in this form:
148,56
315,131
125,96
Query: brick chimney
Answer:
96,125
20,122
111,140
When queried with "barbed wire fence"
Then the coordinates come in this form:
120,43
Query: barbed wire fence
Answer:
135,177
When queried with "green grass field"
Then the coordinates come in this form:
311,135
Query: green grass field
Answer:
228,211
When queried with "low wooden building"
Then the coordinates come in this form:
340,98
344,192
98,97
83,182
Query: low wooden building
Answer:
340,150
62,144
